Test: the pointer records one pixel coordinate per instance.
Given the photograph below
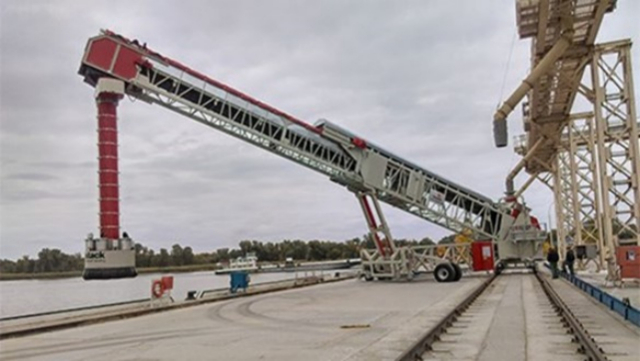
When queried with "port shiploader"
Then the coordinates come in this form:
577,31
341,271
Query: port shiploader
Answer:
116,66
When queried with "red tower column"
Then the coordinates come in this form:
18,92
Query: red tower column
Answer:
108,93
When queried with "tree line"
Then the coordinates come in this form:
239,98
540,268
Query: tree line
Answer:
265,251
54,260
49,260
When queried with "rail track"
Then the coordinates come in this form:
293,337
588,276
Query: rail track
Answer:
497,321
581,336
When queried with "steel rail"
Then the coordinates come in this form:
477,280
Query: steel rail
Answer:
588,345
423,345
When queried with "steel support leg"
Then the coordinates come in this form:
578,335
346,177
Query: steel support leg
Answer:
378,228
617,143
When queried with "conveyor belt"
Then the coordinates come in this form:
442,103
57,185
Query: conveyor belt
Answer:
154,78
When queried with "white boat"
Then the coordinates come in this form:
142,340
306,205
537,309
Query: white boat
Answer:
249,263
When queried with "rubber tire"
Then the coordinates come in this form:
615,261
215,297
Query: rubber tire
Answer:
444,272
458,271
367,277
498,269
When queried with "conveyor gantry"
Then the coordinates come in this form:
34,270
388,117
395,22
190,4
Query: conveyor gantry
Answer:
563,33
363,167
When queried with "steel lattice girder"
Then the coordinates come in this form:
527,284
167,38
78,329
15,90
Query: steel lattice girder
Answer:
597,176
552,96
585,181
157,79
452,208
617,140
577,191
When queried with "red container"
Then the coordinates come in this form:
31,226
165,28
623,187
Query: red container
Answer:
482,254
167,282
629,261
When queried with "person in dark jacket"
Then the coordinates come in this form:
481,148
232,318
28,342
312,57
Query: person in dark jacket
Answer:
553,258
569,259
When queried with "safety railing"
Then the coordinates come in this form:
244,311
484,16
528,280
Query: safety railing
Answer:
76,309
613,303
616,305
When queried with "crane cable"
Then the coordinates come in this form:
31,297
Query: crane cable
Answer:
506,70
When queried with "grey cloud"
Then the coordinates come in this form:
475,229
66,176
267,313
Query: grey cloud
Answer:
31,176
421,79
50,165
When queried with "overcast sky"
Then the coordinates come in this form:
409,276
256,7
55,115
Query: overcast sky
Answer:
420,78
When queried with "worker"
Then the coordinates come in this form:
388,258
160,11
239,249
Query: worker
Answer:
545,247
569,259
553,258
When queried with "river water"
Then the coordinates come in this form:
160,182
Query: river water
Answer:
36,296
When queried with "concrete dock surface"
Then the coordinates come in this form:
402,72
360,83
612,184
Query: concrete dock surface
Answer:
347,320
350,320
19,326
514,320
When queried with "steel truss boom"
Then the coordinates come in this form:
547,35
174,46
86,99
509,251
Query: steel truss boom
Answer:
324,147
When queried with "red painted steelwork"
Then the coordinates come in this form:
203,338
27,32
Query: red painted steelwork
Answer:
108,165
100,53
359,142
482,255
129,61
372,223
114,58
535,222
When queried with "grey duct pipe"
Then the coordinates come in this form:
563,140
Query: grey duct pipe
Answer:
514,172
524,187
500,134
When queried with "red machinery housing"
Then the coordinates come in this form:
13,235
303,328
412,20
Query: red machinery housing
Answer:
482,255
628,258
